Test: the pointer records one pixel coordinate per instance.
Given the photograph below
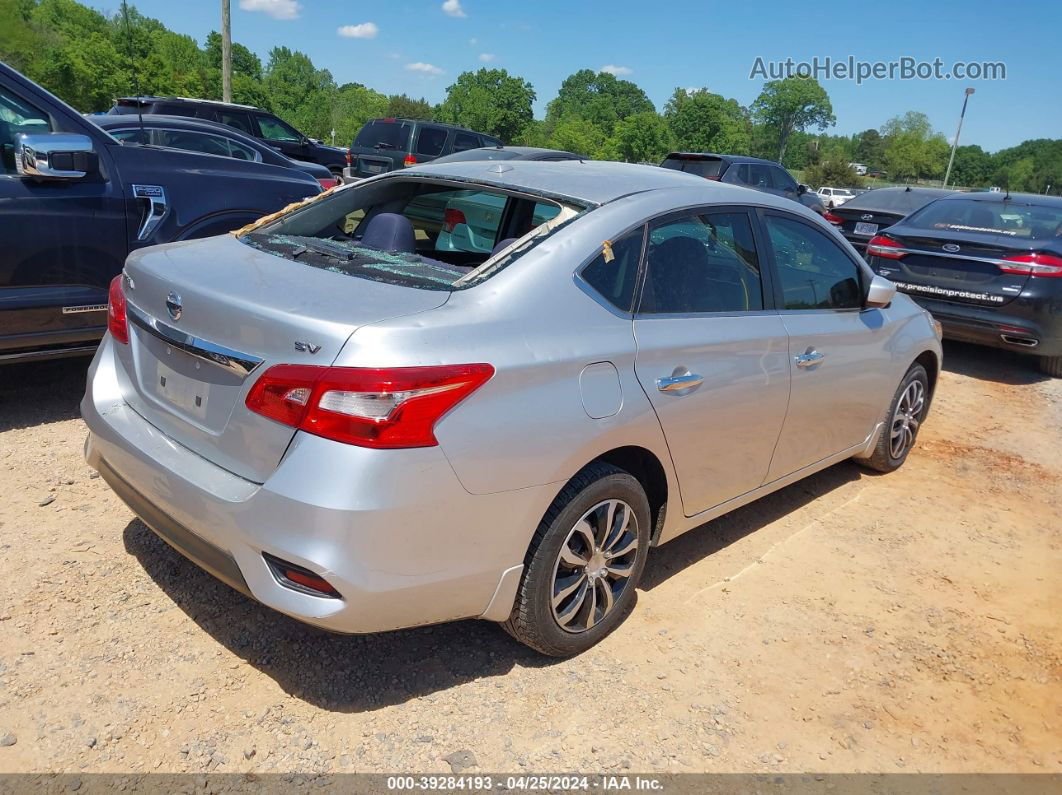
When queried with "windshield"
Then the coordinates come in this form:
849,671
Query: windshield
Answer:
698,166
1014,219
412,232
381,134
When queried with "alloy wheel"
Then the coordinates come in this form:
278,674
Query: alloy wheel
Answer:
906,418
594,565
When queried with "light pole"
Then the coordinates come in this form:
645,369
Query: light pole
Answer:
955,143
226,53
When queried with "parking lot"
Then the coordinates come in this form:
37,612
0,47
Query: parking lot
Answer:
850,622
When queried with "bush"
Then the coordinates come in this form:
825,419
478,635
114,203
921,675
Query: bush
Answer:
832,171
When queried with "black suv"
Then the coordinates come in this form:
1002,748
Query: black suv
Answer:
751,172
389,144
247,119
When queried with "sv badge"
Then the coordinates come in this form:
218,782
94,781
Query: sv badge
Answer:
306,347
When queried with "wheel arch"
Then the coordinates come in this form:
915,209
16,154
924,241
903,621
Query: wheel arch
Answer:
648,469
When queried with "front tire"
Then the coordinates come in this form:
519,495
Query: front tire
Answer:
584,563
907,411
1051,365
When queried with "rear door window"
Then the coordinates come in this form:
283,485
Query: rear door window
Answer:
238,121
176,109
615,277
464,141
702,263
430,141
193,142
782,180
759,176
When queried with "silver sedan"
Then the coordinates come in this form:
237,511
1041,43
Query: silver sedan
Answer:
489,389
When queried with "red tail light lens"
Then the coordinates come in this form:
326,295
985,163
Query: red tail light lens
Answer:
350,157
328,184
117,323
881,246
410,160
368,407
451,218
713,179
1035,264
833,219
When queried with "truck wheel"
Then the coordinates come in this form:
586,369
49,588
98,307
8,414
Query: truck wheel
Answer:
907,411
1052,365
584,563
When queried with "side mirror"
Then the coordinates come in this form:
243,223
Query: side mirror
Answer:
55,156
880,293
802,189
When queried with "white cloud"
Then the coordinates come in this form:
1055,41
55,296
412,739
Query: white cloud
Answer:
473,41
278,9
424,68
487,57
453,8
366,30
619,71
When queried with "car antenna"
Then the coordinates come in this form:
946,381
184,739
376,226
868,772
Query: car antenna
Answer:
132,70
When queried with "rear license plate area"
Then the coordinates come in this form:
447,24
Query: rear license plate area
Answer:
868,230
192,397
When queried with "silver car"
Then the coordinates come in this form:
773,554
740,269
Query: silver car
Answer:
347,415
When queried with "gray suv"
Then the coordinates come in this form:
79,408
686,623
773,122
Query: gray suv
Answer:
392,144
751,172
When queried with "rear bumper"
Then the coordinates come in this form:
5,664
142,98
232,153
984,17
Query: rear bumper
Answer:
393,531
1041,333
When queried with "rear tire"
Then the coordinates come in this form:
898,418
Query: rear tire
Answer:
906,413
1051,365
584,563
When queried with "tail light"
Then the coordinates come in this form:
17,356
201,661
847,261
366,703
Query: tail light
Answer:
833,219
299,579
713,179
117,323
1035,264
381,408
350,157
410,160
881,246
328,184
451,219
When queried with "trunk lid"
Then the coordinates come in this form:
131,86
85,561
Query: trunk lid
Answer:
241,310
964,272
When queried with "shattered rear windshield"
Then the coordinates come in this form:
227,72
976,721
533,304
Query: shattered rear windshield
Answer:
425,233
352,259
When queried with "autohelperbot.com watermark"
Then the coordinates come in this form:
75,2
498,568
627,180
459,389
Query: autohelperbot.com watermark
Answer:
851,68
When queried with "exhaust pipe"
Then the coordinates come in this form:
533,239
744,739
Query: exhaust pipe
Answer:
1024,342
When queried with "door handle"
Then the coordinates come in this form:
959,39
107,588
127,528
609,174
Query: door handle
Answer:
680,381
809,359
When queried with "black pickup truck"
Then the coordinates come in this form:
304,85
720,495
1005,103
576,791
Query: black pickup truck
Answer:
74,202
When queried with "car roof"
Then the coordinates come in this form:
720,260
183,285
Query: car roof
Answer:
396,119
1000,196
727,158
182,122
589,181
517,152
143,100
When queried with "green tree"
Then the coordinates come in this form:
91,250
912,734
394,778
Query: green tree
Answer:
598,97
401,106
1045,156
704,122
300,93
576,134
490,101
870,149
641,138
972,167
912,149
794,103
353,106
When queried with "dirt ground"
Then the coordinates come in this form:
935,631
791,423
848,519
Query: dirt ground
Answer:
850,622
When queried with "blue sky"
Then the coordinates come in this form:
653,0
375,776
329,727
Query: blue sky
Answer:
420,46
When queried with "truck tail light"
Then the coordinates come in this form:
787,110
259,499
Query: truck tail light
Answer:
882,246
1035,264
329,183
410,160
117,323
350,157
368,407
451,219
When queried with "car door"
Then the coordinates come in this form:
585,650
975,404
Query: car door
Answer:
61,242
712,354
837,350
